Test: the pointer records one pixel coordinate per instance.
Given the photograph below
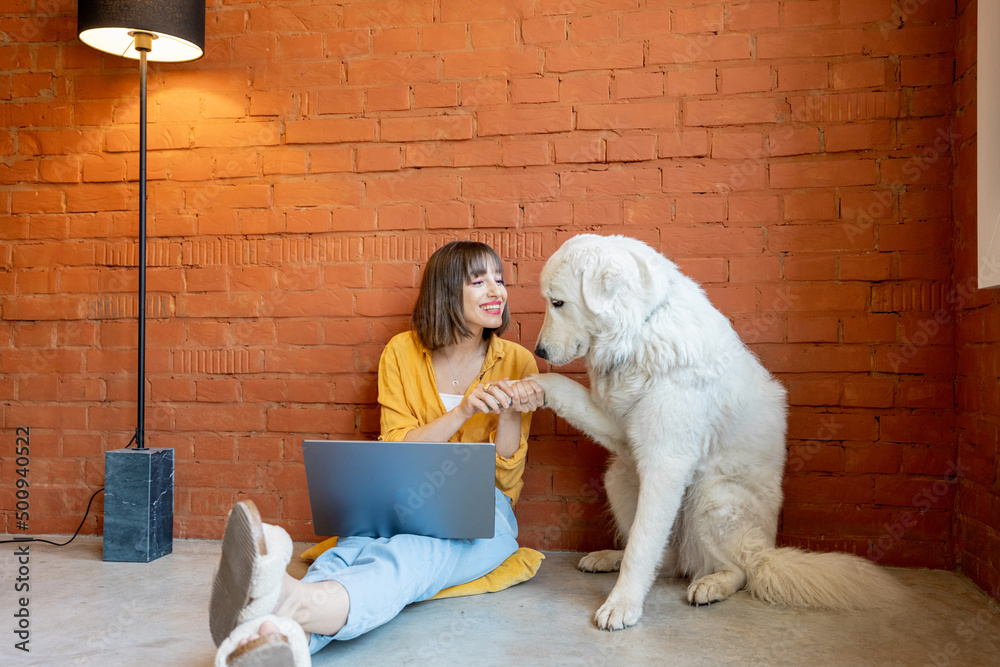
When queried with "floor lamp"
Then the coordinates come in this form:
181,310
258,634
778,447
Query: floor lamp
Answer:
139,482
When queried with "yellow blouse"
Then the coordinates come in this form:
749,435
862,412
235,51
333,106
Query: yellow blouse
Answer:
408,394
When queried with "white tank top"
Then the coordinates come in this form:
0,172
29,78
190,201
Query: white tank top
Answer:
451,401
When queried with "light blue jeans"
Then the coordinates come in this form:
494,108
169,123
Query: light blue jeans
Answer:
383,575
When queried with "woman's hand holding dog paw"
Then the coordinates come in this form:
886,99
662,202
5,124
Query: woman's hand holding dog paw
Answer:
526,395
504,395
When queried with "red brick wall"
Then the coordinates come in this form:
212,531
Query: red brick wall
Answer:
977,509
794,156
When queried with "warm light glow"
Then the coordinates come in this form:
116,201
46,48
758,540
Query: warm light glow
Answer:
119,42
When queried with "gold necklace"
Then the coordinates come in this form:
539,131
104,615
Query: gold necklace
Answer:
454,377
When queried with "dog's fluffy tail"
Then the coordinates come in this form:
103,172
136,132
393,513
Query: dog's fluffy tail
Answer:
820,580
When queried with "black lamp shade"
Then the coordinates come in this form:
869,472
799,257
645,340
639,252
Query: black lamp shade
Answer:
177,26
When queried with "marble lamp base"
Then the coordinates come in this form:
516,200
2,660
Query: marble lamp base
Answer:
138,504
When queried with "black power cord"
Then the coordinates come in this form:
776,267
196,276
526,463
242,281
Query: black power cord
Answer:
57,544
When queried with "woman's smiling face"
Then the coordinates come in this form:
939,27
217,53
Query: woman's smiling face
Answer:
485,298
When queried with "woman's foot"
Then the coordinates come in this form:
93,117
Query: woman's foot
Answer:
251,570
266,628
269,641
321,607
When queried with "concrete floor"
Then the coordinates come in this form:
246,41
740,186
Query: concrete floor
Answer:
84,611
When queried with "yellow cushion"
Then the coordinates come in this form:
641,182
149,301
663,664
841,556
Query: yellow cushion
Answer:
519,566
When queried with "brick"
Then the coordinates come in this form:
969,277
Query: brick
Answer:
846,106
814,43
417,128
750,16
698,176
578,58
733,112
483,92
393,40
753,269
547,214
496,215
698,48
858,136
492,62
37,201
457,10
283,162
699,209
387,98
701,81
544,29
327,160
695,241
754,209
328,131
585,88
380,13
646,23
525,91
442,37
634,115
545,119
738,145
447,216
395,189
793,141
692,20
317,193
812,488
404,216
390,70
492,34
582,149
340,101
599,28
431,95
591,212
869,73
829,237
746,79
803,77
378,158
636,85
510,186
801,174
631,148
683,144
926,169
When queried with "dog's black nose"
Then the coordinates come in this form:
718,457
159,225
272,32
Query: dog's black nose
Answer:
540,351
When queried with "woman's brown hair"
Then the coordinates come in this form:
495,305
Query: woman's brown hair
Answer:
438,316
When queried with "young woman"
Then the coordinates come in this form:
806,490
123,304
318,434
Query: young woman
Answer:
451,378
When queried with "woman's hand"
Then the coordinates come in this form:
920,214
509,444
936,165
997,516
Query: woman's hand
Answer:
506,396
526,395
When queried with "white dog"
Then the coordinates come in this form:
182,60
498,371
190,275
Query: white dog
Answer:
696,427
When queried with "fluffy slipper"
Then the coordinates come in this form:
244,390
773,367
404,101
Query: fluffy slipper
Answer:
287,649
248,578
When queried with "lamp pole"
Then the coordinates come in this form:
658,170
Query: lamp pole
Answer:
143,44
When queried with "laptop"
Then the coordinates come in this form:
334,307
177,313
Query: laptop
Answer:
381,489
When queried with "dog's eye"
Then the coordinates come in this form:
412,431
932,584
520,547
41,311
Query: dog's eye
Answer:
556,303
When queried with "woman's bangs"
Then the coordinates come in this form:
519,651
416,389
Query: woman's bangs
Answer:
481,263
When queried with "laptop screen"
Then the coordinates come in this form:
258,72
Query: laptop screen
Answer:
380,489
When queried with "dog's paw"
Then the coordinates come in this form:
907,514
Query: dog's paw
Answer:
713,588
608,560
558,389
617,614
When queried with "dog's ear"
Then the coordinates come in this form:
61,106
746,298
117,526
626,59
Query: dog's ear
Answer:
601,284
